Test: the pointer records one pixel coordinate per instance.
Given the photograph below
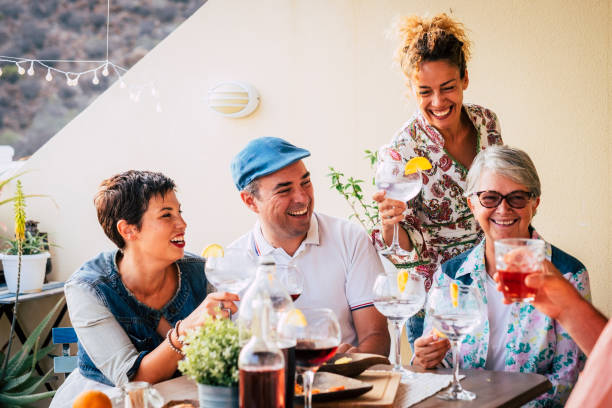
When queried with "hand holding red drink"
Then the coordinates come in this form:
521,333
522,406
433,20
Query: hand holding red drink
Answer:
515,259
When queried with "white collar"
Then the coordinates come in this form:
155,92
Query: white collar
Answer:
262,247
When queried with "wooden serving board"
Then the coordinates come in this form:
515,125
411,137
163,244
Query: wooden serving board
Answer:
382,395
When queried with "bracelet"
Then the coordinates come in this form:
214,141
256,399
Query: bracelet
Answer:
176,330
172,346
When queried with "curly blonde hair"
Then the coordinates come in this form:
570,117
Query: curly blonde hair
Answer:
434,39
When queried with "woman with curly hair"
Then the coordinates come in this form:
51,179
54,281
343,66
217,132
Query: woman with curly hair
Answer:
433,55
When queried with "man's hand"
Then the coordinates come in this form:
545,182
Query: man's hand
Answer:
430,350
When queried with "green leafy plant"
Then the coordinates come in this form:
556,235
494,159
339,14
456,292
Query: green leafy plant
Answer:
18,382
32,244
211,353
365,211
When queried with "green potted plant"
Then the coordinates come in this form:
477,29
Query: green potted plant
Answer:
18,379
211,360
33,260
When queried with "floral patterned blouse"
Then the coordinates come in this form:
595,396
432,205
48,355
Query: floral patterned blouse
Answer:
438,221
535,343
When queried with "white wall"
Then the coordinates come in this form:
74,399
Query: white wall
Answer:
324,72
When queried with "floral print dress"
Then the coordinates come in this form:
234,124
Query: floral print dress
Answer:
534,342
438,221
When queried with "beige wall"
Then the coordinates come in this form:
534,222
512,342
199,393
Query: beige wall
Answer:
324,72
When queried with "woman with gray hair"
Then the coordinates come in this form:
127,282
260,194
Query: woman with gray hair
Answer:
503,192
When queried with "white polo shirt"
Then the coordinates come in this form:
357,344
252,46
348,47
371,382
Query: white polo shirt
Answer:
339,264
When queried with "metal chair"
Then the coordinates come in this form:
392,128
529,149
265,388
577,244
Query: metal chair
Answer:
64,363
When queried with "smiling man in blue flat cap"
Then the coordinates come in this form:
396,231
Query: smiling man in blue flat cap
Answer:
336,257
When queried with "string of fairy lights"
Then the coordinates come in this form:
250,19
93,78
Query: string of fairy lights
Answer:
104,68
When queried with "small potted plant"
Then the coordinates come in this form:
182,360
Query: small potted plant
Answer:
211,360
33,260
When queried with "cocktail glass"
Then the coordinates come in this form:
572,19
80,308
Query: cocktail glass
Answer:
455,310
390,176
398,296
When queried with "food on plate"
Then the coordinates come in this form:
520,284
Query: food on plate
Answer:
343,360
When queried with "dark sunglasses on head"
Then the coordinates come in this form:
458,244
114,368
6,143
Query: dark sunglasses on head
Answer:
515,199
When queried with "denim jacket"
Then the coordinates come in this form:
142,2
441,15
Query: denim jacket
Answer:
137,319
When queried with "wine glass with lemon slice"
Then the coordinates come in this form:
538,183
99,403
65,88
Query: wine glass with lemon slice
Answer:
401,181
317,334
398,296
455,310
230,269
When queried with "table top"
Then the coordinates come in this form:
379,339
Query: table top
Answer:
50,288
493,389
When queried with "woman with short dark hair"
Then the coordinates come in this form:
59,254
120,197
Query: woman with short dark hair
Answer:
130,307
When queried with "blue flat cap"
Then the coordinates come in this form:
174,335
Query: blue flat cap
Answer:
263,156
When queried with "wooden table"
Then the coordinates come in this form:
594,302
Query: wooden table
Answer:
493,389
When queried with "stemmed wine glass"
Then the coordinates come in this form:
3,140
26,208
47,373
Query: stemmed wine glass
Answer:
232,272
317,335
292,279
456,310
390,176
398,296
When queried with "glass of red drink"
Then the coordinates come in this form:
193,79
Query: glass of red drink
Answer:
292,279
317,335
515,258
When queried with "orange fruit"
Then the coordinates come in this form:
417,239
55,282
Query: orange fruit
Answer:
417,163
402,279
92,399
439,333
454,294
213,251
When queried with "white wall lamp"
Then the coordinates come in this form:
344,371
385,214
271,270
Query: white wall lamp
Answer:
233,99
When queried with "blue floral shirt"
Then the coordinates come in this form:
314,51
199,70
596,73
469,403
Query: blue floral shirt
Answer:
535,343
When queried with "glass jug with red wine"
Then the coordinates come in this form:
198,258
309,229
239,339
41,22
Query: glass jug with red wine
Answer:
267,285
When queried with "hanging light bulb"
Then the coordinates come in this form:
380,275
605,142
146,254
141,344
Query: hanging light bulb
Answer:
20,69
69,80
48,77
122,84
153,91
158,107
31,69
0,71
105,70
95,79
75,81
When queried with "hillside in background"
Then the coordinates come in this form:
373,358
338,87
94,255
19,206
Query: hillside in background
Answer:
32,110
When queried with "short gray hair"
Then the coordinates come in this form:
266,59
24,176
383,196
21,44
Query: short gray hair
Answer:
253,188
508,162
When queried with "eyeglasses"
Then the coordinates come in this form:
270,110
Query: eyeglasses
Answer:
516,199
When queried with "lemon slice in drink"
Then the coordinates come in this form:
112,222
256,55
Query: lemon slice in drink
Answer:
439,333
296,318
213,251
402,279
454,294
417,163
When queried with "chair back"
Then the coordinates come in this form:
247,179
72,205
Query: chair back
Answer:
64,336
